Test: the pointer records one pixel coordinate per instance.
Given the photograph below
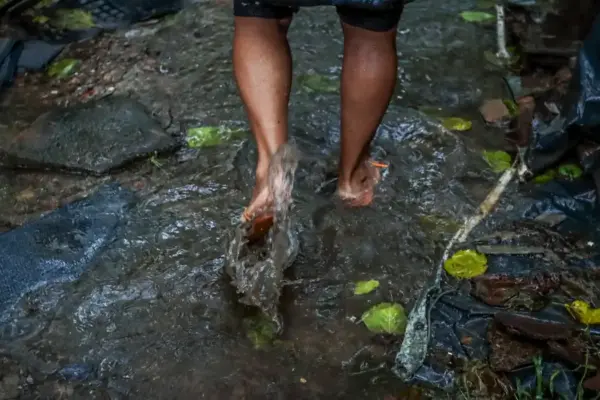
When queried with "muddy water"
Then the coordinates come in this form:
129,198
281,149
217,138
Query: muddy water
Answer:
154,318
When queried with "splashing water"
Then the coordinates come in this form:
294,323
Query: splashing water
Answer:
257,270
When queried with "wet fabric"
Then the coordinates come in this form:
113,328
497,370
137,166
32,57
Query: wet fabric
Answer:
61,245
93,137
359,4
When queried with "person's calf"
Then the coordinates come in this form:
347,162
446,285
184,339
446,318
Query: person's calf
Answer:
368,81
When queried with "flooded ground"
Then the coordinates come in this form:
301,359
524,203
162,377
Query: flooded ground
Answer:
154,318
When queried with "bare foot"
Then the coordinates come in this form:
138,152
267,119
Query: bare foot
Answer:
360,190
260,210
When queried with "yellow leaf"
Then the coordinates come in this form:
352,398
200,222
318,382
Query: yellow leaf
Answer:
364,287
456,124
465,264
582,311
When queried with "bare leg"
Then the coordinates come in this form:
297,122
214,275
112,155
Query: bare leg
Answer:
368,81
263,70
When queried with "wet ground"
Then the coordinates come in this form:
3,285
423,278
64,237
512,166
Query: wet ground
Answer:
154,317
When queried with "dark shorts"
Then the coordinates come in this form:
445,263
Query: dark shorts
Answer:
372,20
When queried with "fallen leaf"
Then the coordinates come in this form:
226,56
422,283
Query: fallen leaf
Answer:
494,110
63,68
314,83
499,161
73,19
569,171
364,287
581,311
387,318
260,330
477,16
466,264
545,177
207,136
456,124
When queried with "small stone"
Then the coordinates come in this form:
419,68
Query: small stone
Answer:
494,110
29,380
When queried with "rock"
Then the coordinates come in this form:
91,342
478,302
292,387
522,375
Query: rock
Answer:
9,387
94,137
494,110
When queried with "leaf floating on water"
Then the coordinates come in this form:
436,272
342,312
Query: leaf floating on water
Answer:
63,68
545,177
387,318
457,124
208,136
365,287
477,16
569,171
582,312
73,19
493,59
314,83
260,330
466,264
499,161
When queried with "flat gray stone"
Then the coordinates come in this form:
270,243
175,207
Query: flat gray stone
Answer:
94,137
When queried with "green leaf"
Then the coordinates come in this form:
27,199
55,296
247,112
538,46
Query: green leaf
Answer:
364,287
512,107
63,68
260,330
545,177
465,264
569,171
314,83
387,318
73,19
208,136
500,161
456,124
477,16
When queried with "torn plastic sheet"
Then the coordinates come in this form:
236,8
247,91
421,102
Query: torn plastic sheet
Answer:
533,270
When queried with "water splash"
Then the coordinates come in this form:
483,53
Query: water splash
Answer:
256,270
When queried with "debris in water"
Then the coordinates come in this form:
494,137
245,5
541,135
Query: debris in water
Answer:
315,83
499,161
63,68
73,19
365,287
582,311
387,318
260,330
456,124
256,269
208,136
546,177
303,380
466,264
477,16
569,171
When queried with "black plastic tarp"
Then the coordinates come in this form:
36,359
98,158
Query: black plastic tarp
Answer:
511,324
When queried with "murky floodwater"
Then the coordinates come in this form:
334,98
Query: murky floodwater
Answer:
154,318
